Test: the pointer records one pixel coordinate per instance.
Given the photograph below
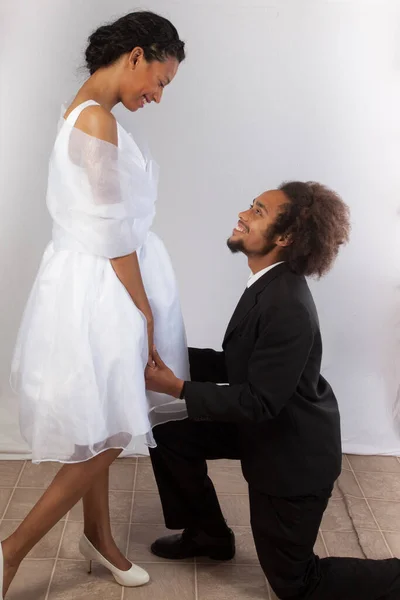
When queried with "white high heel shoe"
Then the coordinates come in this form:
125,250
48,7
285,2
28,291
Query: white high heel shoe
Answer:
1,572
134,577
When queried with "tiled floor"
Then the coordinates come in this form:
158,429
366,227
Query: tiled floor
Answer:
368,491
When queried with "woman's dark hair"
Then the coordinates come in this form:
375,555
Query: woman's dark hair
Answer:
317,221
154,34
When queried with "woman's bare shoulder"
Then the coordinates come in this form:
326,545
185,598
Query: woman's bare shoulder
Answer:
98,122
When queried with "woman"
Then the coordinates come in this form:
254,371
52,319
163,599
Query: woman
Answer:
105,293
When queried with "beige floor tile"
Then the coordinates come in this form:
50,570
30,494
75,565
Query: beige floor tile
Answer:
141,538
236,509
224,582
31,581
145,481
347,544
144,460
72,582
120,508
246,553
337,518
388,464
380,486
387,514
128,460
241,578
9,472
122,476
347,485
76,513
373,544
360,513
147,508
46,548
73,532
39,476
168,582
319,547
340,543
228,480
224,462
393,540
5,495
69,547
345,462
22,502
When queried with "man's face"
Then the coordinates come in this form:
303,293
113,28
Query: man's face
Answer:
253,235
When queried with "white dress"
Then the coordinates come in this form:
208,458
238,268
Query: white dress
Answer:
82,348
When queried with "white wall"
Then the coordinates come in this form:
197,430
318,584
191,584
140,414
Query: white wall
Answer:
271,90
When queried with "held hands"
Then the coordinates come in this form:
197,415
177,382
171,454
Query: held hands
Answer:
159,378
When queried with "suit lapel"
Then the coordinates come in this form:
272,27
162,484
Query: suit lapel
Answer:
249,298
246,303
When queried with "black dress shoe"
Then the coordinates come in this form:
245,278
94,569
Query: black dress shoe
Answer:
192,543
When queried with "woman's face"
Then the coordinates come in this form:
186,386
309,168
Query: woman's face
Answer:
143,82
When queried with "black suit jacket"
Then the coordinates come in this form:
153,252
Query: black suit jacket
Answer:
286,413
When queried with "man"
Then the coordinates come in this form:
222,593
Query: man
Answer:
278,415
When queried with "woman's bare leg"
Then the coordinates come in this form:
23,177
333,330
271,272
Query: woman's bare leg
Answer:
70,484
97,521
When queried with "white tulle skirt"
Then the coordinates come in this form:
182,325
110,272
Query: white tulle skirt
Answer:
79,361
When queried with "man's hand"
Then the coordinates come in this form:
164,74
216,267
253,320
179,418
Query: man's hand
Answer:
159,378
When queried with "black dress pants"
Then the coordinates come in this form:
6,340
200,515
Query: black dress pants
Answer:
284,529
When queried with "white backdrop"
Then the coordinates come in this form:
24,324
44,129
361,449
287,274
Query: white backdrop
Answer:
271,90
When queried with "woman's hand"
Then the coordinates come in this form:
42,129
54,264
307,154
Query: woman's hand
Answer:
160,378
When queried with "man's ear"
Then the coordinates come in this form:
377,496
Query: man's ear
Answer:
285,240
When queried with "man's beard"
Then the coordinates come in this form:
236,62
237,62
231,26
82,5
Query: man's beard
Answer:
236,246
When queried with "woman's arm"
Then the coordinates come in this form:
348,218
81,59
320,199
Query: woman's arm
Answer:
128,272
99,123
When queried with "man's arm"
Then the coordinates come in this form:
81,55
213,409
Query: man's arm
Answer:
274,371
207,365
